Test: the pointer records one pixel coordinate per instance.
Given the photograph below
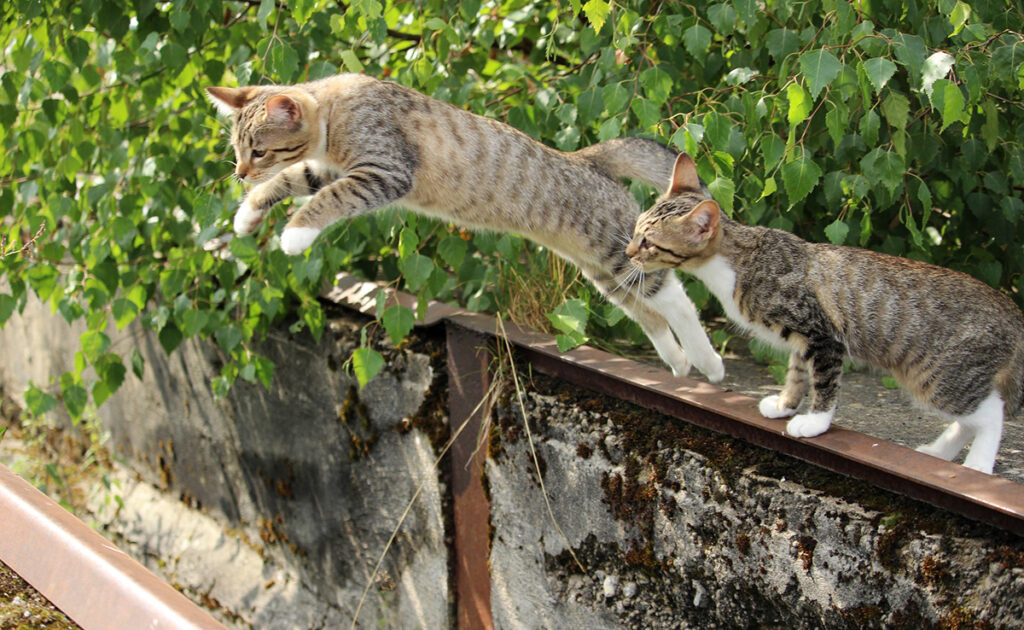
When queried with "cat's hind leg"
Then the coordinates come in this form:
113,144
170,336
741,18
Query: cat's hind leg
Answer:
824,360
984,425
949,443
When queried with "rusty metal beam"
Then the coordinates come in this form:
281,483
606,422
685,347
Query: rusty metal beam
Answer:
468,381
84,575
986,498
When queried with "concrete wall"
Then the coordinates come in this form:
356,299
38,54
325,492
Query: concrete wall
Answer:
272,507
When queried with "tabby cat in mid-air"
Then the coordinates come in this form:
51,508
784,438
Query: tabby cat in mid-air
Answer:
956,344
357,144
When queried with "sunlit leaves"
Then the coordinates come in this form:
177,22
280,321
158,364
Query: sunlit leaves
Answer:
597,12
366,363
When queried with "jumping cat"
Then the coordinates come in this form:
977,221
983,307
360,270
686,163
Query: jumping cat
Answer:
358,144
956,344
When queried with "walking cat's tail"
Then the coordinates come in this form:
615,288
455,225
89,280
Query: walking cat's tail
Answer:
642,159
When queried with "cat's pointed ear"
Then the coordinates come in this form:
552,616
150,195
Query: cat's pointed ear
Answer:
684,176
705,219
229,100
283,109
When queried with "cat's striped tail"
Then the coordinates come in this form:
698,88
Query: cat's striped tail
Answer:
642,159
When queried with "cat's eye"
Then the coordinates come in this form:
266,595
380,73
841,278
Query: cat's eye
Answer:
257,154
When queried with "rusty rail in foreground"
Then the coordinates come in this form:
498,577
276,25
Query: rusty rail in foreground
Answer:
986,498
80,572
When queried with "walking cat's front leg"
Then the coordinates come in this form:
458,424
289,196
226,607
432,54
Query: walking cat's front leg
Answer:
298,180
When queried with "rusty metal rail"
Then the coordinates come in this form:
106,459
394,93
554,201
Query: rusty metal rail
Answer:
986,498
84,575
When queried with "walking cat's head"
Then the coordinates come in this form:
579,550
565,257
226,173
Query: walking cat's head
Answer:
274,127
682,229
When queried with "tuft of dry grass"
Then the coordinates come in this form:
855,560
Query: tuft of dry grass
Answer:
535,286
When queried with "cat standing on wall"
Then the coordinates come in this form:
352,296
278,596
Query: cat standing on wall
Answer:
358,144
955,343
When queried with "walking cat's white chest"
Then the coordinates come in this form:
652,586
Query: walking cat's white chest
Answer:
720,278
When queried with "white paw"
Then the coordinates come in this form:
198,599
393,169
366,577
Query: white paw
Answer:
714,369
935,451
247,219
985,467
809,424
296,240
681,368
770,407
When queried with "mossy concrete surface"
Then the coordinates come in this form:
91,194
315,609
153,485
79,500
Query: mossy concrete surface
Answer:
677,527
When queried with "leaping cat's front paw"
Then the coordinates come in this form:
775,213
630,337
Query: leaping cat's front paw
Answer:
295,240
713,369
680,368
771,407
809,424
247,219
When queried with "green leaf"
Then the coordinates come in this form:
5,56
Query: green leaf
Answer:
989,133
570,317
724,191
837,231
398,321
416,268
284,61
366,363
800,177
820,67
138,364
910,50
266,6
75,398
38,401
453,251
647,112
94,343
697,40
869,126
124,311
896,109
884,166
948,100
781,43
879,71
7,306
170,338
597,12
799,104
723,18
935,67
657,84
351,61
228,337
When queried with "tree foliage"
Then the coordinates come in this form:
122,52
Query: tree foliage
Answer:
896,126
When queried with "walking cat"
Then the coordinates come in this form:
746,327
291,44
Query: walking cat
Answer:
357,144
956,344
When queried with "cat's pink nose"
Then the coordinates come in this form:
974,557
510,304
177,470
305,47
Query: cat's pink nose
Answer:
632,249
242,171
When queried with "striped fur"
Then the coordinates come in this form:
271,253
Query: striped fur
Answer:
357,144
956,344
